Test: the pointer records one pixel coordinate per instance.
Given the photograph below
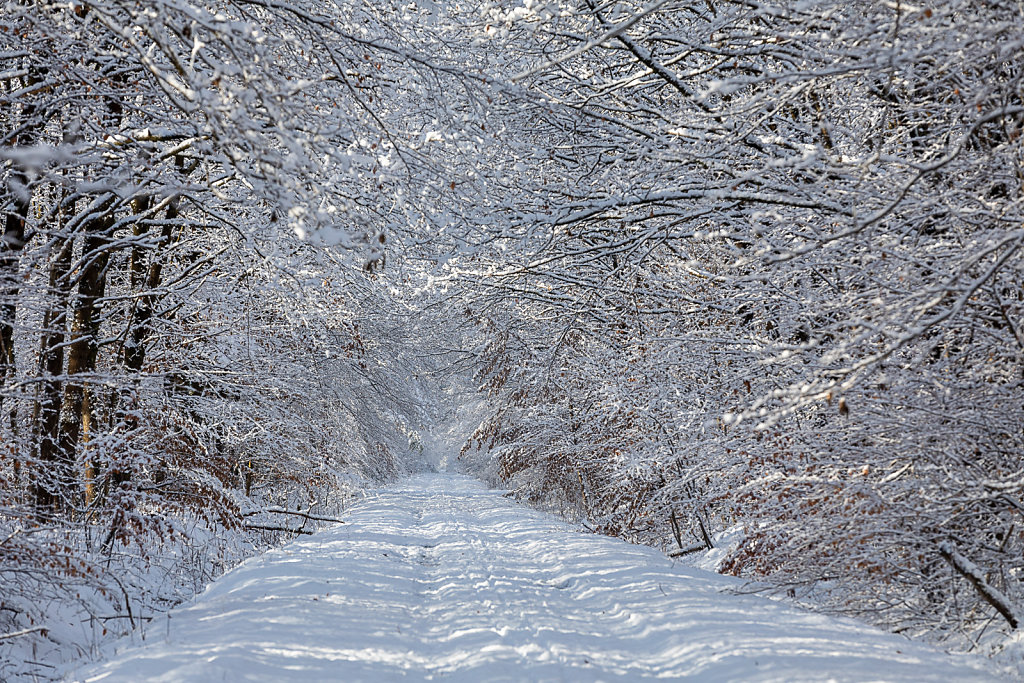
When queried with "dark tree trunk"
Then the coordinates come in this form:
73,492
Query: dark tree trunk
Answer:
11,244
145,281
77,409
51,367
15,235
83,349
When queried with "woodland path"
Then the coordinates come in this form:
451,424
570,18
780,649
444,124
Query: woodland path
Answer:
439,578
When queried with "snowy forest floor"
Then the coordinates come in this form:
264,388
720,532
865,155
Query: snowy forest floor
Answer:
439,577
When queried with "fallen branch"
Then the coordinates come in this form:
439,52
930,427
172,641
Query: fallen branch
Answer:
305,515
992,595
15,634
260,527
679,552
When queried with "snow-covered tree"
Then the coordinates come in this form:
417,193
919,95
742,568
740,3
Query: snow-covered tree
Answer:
777,251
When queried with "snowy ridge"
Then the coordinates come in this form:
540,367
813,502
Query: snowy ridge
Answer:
438,577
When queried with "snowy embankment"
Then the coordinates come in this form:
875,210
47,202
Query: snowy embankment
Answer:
439,577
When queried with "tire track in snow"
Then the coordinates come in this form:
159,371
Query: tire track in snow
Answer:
437,578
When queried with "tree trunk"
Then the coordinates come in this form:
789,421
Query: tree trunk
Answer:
145,281
51,367
11,244
83,350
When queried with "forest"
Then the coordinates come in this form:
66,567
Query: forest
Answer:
722,276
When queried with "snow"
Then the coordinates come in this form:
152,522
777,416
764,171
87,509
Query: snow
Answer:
439,577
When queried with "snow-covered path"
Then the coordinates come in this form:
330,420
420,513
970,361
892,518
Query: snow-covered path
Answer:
437,577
